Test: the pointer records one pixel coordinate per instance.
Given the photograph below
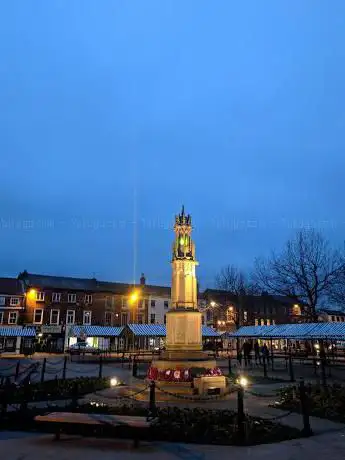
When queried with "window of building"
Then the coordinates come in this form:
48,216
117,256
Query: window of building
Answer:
12,317
38,316
166,304
54,316
153,303
87,317
140,319
40,296
146,303
72,298
256,322
262,322
202,319
124,319
88,298
108,316
268,322
273,322
338,319
333,318
342,319
165,319
153,318
1,317
56,297
14,302
2,300
70,316
245,316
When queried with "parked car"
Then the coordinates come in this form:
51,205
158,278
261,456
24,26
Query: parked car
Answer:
82,348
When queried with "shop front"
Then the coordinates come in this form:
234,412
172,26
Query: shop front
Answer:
104,338
51,338
17,339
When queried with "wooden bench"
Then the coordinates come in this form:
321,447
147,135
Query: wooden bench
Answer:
95,425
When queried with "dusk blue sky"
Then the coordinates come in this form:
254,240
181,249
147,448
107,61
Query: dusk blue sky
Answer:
235,109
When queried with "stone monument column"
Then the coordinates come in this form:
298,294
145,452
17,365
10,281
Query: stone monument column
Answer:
183,322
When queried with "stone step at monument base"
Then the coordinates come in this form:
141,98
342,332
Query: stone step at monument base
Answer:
165,391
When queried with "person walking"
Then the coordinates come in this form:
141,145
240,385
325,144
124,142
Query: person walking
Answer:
246,353
265,353
257,352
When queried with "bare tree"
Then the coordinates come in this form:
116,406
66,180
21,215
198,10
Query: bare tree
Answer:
236,282
337,292
307,269
231,279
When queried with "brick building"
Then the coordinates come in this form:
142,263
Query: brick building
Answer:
11,301
226,311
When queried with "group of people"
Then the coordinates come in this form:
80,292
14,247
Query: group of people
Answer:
260,353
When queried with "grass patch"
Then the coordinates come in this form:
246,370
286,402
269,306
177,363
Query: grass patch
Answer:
54,389
324,402
200,426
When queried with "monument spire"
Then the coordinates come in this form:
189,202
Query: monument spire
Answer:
184,285
183,353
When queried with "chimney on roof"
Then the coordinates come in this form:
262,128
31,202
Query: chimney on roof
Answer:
142,279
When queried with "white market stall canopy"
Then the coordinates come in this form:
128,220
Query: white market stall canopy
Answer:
304,331
95,331
17,331
142,330
159,330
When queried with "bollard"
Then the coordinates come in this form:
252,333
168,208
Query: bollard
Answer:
5,396
75,392
305,409
17,371
43,369
135,368
240,415
229,362
64,368
265,365
315,366
152,402
323,372
291,372
26,395
100,372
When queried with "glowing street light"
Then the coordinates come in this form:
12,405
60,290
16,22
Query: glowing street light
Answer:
243,381
213,303
32,293
114,382
133,297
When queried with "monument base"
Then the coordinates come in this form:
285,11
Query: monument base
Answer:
187,367
184,361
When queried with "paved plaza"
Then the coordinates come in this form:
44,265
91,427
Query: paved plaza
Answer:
329,436
26,446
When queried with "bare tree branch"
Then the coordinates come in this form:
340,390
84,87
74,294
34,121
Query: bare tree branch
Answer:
307,269
233,280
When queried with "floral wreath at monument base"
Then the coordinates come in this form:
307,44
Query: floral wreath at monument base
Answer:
181,375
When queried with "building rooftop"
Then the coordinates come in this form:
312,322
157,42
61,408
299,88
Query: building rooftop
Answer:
11,286
88,284
58,282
